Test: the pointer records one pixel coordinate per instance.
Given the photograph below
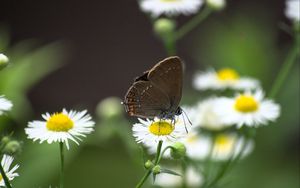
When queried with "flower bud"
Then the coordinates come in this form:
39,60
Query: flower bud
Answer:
3,61
149,165
12,148
164,27
216,4
5,140
109,108
156,169
178,150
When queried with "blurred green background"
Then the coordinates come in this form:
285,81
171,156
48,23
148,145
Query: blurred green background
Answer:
73,54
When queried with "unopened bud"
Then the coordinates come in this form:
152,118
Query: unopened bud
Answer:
164,27
178,150
149,165
216,4
12,148
109,108
5,140
3,61
156,169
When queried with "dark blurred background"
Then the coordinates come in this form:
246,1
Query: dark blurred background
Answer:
111,42
108,43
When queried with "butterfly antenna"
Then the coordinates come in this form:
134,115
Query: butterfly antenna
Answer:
187,117
185,124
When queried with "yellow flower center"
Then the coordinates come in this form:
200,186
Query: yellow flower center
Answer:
223,143
1,178
228,75
192,139
245,104
161,128
59,122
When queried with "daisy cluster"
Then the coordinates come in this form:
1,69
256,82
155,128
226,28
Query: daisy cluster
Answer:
221,124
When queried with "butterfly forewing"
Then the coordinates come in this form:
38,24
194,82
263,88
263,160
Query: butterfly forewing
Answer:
143,99
167,75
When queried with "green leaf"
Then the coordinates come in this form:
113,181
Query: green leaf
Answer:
166,171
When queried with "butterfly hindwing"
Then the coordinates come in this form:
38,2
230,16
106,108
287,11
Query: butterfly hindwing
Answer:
143,99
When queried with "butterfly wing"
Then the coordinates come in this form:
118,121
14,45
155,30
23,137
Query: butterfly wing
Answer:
143,99
167,76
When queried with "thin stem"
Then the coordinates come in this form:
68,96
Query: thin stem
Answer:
163,152
158,150
170,46
184,179
6,181
61,147
193,23
145,177
157,159
227,166
286,67
208,162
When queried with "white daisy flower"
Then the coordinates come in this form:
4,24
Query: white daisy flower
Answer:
60,127
151,132
223,79
10,173
193,179
203,115
250,109
197,146
223,146
170,7
226,146
5,105
292,10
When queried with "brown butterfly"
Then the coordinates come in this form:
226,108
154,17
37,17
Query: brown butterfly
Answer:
157,92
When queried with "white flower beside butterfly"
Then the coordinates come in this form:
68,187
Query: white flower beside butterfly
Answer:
203,115
5,105
223,79
61,127
170,7
220,148
248,108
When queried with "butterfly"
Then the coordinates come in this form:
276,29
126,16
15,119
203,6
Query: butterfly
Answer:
157,92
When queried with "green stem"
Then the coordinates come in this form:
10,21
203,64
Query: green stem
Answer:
208,163
226,167
286,67
158,150
145,177
163,152
6,181
157,159
61,147
170,46
184,178
193,23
